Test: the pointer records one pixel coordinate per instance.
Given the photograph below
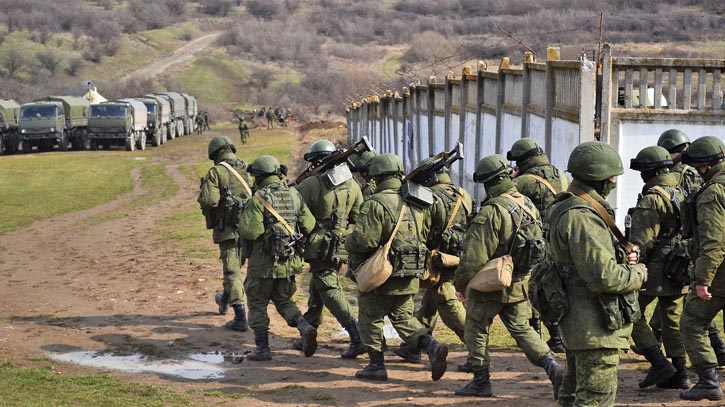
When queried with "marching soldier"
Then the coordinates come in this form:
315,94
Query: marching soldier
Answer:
361,165
497,230
221,197
540,182
243,130
273,226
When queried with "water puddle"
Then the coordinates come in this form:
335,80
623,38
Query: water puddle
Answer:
199,366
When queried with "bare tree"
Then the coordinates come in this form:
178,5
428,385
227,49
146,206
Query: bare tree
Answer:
13,59
261,79
49,60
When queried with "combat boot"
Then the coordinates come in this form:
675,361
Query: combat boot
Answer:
297,344
356,346
239,323
707,386
718,346
408,353
680,380
308,333
466,367
661,369
437,354
555,372
261,352
222,301
556,344
536,324
480,386
376,369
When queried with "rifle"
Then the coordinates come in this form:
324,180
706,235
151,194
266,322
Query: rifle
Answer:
333,159
441,160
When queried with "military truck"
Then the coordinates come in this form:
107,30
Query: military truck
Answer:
178,111
120,122
166,114
191,112
61,120
157,119
9,112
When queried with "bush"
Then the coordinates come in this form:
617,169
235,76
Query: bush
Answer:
49,60
266,9
218,8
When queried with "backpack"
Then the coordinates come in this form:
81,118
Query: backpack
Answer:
408,252
527,245
677,259
279,242
327,243
547,290
451,238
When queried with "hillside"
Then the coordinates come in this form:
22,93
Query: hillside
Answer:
316,56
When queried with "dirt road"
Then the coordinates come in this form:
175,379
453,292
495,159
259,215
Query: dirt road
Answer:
181,55
78,282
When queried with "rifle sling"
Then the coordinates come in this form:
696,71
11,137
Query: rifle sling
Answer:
543,181
604,215
274,213
239,177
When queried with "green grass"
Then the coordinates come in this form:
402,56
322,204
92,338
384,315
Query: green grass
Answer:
39,186
225,394
392,64
212,79
42,386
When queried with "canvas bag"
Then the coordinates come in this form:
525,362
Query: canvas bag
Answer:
377,268
496,274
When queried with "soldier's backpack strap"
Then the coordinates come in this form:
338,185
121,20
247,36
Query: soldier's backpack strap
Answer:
521,203
542,180
605,217
274,213
237,176
661,192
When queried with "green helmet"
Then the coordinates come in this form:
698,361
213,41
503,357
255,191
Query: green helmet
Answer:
219,142
362,162
385,164
523,149
672,138
594,161
651,158
705,150
319,149
264,165
491,166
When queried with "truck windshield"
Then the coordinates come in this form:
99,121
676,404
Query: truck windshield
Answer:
31,112
108,111
150,107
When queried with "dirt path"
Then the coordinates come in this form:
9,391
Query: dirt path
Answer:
75,283
181,55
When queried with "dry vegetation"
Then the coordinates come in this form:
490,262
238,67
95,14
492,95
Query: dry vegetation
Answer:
314,55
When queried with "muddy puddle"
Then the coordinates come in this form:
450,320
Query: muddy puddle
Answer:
198,366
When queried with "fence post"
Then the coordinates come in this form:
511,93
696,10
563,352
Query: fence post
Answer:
552,54
606,96
431,114
500,100
479,118
417,113
587,98
447,113
462,121
526,94
394,105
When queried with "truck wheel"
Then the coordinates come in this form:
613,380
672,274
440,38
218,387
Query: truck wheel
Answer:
106,145
93,145
164,135
63,143
141,142
27,147
156,141
130,144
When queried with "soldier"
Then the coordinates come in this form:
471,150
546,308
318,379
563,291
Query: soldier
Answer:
441,297
243,129
540,182
602,278
656,230
394,299
676,142
221,197
494,232
206,120
335,205
199,121
273,225
269,114
707,293
361,166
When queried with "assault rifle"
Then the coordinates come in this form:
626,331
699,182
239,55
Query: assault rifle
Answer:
441,160
331,160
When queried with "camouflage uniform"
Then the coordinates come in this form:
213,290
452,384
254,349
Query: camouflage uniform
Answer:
709,271
489,236
656,231
394,298
533,163
600,283
270,278
335,209
218,187
243,130
270,118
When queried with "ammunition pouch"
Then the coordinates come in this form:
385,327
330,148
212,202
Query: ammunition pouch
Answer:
619,309
409,261
548,290
209,218
677,265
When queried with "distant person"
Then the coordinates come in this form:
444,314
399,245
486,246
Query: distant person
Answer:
243,130
199,124
270,118
206,120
